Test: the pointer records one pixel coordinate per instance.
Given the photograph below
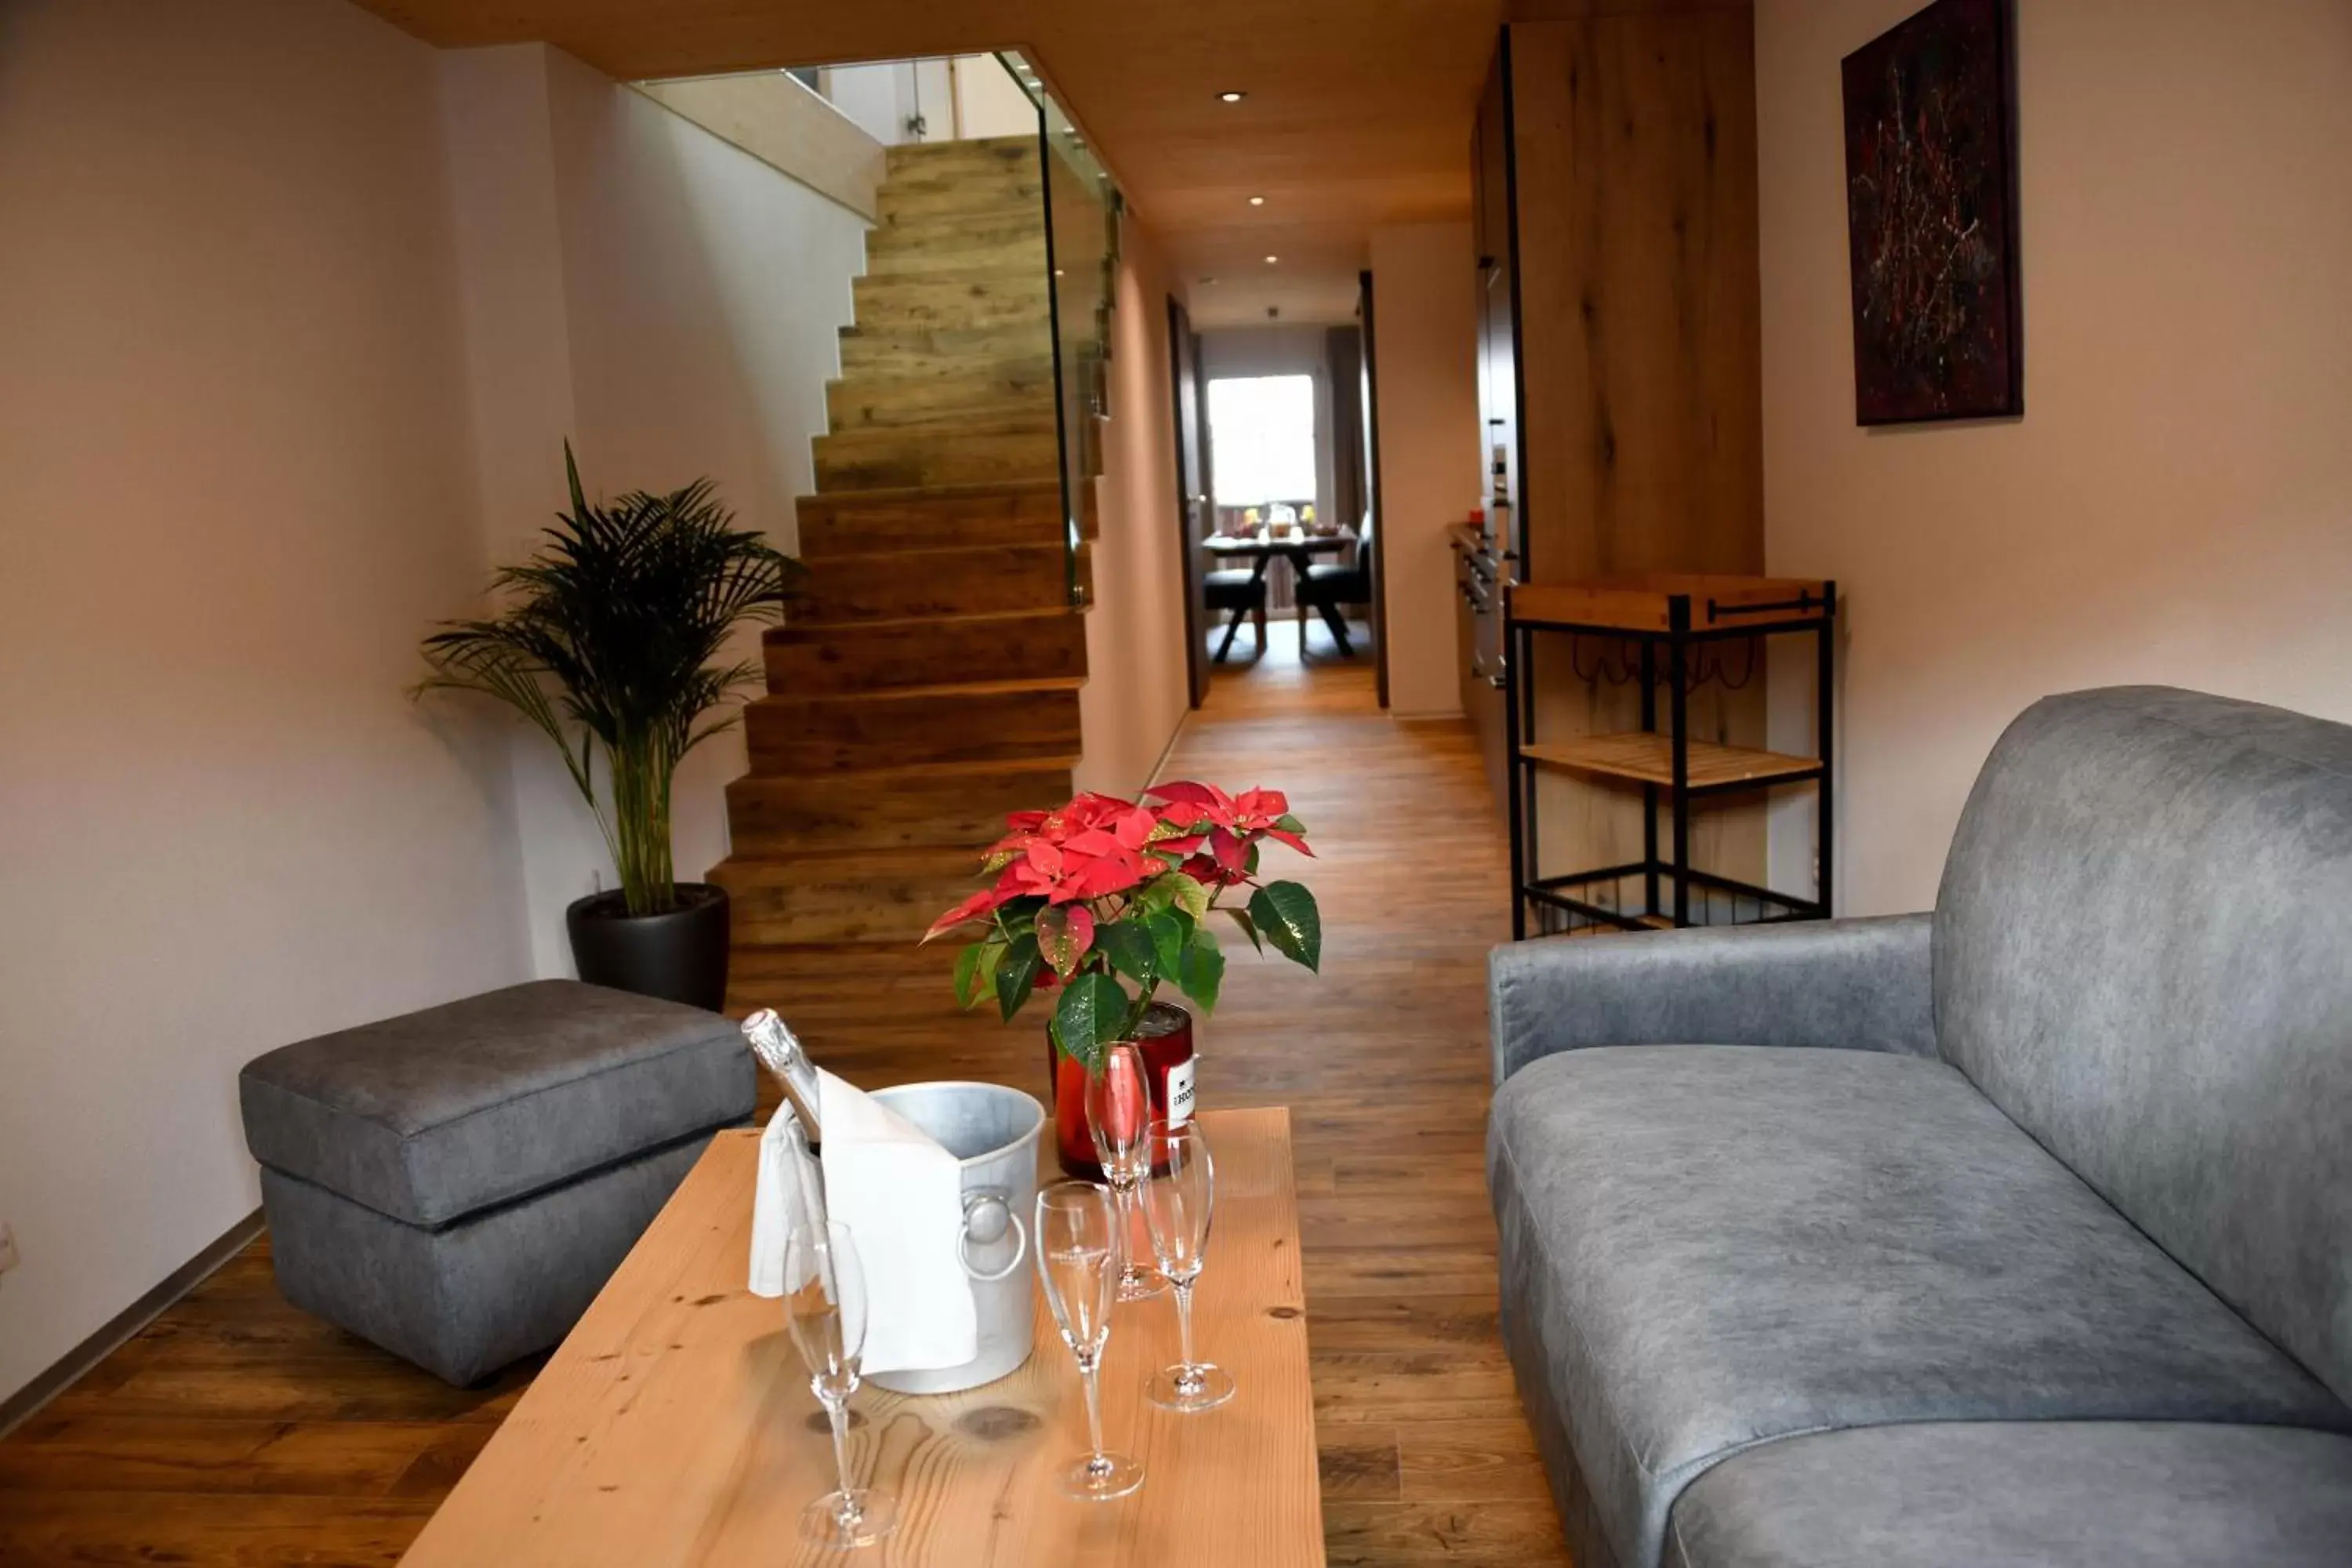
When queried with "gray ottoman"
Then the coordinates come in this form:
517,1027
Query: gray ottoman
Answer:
458,1185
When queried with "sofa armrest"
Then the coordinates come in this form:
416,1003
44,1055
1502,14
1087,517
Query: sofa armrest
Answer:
1864,985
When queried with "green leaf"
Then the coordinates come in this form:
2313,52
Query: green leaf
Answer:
1129,945
1180,891
1249,926
1291,824
1202,971
1017,975
1286,912
1092,1014
976,967
1170,929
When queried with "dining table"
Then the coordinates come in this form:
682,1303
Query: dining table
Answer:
1299,546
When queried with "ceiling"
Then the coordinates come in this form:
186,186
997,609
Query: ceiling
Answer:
1358,114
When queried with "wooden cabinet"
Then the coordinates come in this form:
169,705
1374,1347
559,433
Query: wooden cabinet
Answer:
1615,165
1616,205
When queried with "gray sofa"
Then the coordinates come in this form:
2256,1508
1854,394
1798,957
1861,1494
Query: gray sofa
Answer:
2020,1232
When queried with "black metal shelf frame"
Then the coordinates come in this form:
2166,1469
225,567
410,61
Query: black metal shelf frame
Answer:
1673,649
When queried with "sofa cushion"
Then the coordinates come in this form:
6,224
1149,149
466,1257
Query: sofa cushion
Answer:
2141,955
435,1115
1706,1246
2153,1494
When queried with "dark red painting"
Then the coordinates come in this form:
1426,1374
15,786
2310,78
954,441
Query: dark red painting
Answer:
1931,218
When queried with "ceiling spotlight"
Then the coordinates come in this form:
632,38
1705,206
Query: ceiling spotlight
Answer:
1231,95
1272,259
1258,201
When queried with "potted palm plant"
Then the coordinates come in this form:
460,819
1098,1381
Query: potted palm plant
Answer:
608,641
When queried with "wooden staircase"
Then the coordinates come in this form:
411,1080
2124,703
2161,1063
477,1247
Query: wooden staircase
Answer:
929,683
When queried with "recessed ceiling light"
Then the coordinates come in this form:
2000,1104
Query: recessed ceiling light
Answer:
1258,201
1272,259
1231,95
1208,280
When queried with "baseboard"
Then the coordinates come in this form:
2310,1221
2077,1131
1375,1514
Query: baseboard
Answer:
46,1385
1183,721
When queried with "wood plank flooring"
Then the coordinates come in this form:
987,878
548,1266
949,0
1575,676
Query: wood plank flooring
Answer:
237,1431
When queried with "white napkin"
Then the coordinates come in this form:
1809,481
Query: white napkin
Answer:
901,1196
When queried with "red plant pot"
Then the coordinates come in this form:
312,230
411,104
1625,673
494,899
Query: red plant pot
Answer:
1166,1038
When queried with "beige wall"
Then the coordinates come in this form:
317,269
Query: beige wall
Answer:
672,304
1425,349
291,353
238,485
1135,695
2176,504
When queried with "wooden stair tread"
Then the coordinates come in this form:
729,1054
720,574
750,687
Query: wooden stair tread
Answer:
916,859
1013,688
974,489
922,773
817,631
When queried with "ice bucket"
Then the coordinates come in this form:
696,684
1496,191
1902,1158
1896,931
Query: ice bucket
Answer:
993,1131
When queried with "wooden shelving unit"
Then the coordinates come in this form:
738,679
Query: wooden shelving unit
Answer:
1669,619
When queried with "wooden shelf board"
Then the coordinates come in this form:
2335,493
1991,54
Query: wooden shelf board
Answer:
1644,758
1640,604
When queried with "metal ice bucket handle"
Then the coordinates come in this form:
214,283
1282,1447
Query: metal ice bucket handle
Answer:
987,1211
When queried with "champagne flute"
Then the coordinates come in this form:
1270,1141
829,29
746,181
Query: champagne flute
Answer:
1077,1261
1119,1114
1178,1198
824,1307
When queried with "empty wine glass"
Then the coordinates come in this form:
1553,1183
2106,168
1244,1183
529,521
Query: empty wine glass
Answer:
1178,1199
824,1307
1078,1260
1119,1114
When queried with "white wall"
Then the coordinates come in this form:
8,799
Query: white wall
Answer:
701,294
1137,691
989,102
1425,355
2176,504
238,486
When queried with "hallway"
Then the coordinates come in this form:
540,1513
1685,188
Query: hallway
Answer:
237,1430
1383,1061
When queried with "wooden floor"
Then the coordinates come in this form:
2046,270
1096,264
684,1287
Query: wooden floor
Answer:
237,1431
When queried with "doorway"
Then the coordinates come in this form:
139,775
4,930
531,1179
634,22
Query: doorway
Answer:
1276,500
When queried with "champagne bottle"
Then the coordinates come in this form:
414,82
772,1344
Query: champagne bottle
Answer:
780,1052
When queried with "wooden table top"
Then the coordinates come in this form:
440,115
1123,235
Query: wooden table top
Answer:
1265,544
676,1425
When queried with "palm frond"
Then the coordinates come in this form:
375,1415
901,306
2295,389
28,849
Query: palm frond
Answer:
610,628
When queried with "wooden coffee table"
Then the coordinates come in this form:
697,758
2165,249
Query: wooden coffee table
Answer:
674,1427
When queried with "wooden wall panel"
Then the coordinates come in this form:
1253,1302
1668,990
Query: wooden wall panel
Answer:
1637,144
1641,426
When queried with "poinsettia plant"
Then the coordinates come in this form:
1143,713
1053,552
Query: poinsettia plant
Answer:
1105,901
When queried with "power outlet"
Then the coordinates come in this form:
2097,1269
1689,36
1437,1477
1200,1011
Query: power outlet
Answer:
8,1259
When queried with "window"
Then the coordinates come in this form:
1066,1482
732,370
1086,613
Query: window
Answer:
1261,440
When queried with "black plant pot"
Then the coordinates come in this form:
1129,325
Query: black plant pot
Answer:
680,956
